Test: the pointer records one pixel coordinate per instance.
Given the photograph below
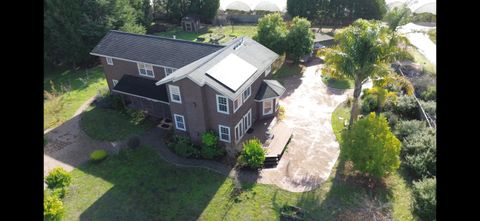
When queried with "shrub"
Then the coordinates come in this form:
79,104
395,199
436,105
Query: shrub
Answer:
183,147
210,149
58,178
419,152
406,107
53,209
98,155
430,94
133,142
430,107
252,155
408,127
369,104
371,146
425,199
391,118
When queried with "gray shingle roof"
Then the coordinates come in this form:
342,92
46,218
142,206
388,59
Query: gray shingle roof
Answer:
250,51
142,87
269,89
153,49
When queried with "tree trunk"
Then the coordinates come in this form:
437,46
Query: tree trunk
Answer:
356,95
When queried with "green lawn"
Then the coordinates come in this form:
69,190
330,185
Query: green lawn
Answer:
340,117
212,31
422,60
111,125
337,83
287,70
78,86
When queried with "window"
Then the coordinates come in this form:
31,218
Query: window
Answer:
277,105
246,94
114,82
222,104
175,94
180,122
243,125
145,70
109,61
224,133
267,107
168,71
236,104
268,70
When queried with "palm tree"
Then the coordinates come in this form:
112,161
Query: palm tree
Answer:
364,50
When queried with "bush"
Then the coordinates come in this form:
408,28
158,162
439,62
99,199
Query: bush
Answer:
133,142
424,17
430,94
183,147
406,107
430,107
425,199
419,152
210,149
98,155
53,209
252,155
281,113
371,146
369,104
58,178
408,127
391,118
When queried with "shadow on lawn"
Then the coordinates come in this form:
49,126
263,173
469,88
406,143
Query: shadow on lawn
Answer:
348,198
147,188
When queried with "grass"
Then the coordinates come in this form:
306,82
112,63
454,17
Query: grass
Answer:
212,32
78,87
432,34
111,125
422,60
287,70
340,116
337,83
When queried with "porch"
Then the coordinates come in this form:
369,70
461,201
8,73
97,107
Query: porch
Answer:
274,136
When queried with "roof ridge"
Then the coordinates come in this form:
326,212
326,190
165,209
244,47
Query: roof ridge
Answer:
165,38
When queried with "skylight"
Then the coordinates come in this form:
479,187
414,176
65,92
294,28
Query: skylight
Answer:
232,72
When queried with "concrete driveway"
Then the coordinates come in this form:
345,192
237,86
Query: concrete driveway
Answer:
313,149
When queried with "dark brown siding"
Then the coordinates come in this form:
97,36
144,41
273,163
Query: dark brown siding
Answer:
121,67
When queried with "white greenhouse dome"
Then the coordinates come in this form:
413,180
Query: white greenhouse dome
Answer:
416,6
254,5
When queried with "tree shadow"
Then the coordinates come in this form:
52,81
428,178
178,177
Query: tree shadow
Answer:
147,188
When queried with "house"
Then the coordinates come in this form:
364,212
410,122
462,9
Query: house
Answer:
191,23
201,87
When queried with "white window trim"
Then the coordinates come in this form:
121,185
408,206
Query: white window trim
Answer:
263,107
220,133
171,94
176,123
145,67
249,94
114,82
218,105
239,105
241,125
165,70
109,60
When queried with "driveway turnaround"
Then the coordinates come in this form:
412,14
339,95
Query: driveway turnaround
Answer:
313,150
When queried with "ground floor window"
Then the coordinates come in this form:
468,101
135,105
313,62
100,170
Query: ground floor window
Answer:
224,133
180,122
267,107
243,125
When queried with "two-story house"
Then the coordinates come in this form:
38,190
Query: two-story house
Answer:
201,87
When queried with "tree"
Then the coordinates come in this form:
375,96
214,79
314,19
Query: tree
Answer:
133,28
371,146
177,9
368,9
302,8
397,16
271,32
363,51
299,40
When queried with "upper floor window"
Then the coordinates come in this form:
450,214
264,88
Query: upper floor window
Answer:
175,93
222,104
246,94
145,69
268,70
168,71
109,61
237,103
